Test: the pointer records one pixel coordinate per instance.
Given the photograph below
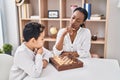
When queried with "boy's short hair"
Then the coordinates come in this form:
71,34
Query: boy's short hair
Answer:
32,30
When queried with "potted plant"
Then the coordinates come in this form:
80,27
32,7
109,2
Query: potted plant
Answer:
7,48
1,51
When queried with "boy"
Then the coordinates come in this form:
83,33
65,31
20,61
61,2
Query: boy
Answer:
30,58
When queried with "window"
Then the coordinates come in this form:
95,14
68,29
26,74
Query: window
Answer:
1,32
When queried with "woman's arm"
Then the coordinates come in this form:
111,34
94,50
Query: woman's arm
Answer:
58,47
83,50
59,44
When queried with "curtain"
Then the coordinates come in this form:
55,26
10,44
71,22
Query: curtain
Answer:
1,32
3,22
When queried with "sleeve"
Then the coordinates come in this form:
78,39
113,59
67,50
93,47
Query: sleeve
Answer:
83,51
32,67
56,51
46,54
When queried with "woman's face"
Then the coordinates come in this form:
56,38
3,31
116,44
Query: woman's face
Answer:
77,19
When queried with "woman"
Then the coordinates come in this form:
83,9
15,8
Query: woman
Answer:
74,40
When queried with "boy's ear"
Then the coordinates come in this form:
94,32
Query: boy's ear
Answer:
32,40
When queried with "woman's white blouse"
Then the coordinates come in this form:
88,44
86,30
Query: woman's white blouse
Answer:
81,43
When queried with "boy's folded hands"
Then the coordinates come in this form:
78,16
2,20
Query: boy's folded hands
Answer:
40,51
45,62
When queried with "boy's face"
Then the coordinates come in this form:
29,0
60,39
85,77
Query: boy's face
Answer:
40,41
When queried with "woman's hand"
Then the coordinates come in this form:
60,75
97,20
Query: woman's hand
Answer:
45,63
72,54
65,53
65,32
70,29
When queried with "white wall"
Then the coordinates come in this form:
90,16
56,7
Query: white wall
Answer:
11,23
113,45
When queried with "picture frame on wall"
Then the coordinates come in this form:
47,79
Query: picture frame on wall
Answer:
53,14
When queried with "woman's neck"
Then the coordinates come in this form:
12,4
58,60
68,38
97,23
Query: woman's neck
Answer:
72,36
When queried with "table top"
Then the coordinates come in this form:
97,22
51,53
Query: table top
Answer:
93,69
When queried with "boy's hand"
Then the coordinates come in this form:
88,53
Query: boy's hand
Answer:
40,51
45,63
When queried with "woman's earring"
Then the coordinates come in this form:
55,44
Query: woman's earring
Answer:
82,25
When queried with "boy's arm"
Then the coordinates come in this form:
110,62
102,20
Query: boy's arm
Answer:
45,63
26,63
46,54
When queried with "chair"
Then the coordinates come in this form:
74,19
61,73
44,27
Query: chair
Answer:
6,62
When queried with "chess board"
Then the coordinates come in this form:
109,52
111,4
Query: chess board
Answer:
64,63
